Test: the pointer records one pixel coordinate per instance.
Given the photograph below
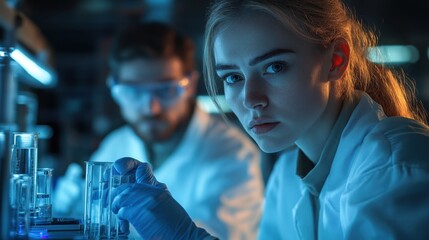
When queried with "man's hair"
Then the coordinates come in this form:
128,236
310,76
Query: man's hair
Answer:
151,40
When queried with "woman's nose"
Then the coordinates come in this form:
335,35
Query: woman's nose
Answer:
255,95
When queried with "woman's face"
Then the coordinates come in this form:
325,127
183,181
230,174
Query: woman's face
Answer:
275,81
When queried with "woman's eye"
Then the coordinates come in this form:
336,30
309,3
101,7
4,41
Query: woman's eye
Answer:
276,67
232,78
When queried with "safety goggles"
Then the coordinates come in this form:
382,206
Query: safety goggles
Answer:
134,93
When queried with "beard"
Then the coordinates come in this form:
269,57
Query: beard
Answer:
162,127
153,130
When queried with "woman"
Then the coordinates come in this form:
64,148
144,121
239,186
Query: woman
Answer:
355,162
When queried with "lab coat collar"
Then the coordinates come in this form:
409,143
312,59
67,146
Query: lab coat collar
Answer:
316,177
189,143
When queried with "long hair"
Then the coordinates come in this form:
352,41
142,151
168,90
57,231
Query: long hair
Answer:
322,22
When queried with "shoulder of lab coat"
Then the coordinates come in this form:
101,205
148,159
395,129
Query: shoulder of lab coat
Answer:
387,192
385,164
121,142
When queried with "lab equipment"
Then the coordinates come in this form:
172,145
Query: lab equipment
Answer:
60,224
20,195
24,161
99,220
4,180
44,195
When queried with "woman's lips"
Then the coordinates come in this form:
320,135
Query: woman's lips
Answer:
263,127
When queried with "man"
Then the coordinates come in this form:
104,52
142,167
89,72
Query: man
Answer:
211,168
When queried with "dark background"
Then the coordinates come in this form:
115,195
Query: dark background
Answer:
79,109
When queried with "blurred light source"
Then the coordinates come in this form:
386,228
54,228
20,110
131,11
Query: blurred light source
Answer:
207,104
35,69
393,54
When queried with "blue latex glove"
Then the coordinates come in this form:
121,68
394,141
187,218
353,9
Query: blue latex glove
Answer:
149,206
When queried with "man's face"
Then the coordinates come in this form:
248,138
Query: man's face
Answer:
154,96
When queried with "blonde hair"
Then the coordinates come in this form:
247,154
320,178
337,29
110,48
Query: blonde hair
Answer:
323,22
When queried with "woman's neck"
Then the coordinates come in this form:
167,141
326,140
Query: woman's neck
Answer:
314,140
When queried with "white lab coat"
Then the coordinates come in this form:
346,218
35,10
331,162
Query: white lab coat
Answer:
371,182
214,174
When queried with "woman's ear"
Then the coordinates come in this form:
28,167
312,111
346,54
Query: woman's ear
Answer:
339,59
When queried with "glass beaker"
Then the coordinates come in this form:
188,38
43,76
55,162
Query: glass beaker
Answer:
24,161
99,220
44,195
20,195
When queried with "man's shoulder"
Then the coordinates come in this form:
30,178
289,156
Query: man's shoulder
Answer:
223,132
119,136
219,123
118,143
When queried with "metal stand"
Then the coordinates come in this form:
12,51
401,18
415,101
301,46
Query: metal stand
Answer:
7,124
8,91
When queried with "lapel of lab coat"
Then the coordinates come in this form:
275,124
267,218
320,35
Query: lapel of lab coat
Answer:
306,210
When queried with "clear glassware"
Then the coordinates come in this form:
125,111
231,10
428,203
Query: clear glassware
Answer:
24,161
99,220
20,195
44,195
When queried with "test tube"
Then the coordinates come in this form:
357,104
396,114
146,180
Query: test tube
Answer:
44,195
99,220
118,180
98,216
24,161
20,195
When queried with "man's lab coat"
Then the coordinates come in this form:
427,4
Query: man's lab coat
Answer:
214,174
371,182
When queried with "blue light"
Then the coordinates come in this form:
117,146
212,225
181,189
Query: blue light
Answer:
32,68
38,233
207,104
393,54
